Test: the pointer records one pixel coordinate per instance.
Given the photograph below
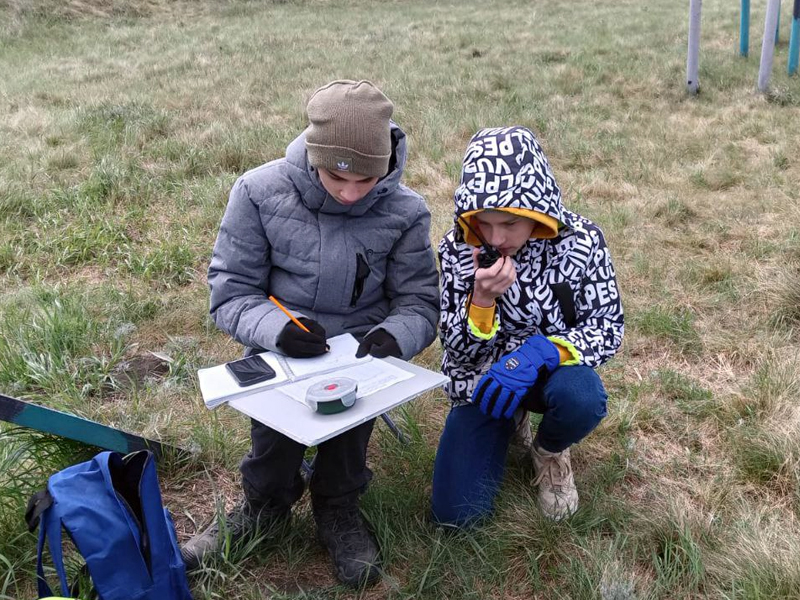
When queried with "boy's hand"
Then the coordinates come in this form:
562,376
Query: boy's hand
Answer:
297,343
500,391
492,282
379,344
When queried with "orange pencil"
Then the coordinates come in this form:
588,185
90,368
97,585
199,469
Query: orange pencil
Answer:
290,315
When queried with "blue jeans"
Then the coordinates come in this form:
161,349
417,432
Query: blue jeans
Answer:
471,457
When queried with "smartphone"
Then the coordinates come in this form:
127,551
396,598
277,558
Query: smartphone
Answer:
250,370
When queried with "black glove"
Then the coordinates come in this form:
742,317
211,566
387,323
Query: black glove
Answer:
297,343
379,344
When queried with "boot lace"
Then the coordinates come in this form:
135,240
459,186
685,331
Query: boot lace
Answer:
349,528
554,472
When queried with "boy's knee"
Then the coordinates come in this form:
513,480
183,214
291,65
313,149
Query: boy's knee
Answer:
578,391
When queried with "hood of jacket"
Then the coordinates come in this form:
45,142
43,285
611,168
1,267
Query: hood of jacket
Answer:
314,195
505,169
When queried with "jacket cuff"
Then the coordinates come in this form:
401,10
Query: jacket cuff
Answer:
270,327
482,317
402,335
480,334
569,354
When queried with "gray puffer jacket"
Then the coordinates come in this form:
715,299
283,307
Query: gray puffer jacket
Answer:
351,268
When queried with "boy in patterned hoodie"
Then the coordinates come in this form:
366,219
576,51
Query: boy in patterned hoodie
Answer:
523,334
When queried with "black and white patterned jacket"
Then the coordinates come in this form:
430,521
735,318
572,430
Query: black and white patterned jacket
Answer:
506,168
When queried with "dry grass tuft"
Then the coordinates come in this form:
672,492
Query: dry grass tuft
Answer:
783,293
767,556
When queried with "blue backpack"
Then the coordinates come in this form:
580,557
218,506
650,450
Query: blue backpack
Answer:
111,509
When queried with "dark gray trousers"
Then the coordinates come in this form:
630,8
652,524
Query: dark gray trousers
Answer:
271,470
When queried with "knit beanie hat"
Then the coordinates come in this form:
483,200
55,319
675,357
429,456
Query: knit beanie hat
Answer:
349,128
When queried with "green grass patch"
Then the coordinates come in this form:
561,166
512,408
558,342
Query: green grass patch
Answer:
785,295
762,457
170,264
112,126
675,212
774,381
692,398
714,276
671,324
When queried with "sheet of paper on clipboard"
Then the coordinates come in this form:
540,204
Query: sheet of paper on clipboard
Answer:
372,377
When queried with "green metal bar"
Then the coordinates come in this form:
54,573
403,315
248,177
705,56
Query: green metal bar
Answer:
75,428
794,40
744,29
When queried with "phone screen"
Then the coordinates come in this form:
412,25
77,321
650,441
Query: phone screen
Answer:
250,370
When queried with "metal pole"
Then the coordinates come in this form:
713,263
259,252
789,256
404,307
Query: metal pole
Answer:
768,45
794,39
692,58
778,25
394,428
744,29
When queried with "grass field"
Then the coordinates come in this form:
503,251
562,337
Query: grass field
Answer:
124,124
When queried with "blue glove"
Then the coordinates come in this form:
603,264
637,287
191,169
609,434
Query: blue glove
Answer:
500,391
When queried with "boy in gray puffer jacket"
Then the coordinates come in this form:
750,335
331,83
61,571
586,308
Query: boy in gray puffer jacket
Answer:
332,233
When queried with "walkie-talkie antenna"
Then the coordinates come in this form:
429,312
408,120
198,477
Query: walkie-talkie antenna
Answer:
490,255
477,234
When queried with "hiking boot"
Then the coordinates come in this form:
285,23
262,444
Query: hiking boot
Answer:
240,526
558,496
352,548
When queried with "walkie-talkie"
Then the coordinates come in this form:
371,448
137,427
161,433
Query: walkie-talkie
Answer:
490,255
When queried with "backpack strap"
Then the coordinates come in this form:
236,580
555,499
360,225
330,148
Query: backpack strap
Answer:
563,293
50,529
41,583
